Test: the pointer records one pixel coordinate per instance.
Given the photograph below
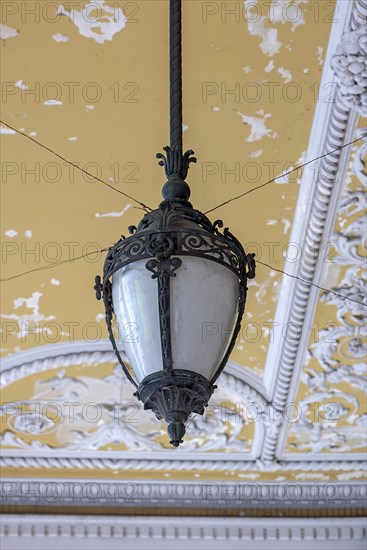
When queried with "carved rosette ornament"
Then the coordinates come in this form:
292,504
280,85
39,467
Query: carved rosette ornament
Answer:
350,68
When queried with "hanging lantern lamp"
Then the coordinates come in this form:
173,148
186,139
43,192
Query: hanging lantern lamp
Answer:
174,275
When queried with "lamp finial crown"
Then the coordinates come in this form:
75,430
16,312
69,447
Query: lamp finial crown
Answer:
176,166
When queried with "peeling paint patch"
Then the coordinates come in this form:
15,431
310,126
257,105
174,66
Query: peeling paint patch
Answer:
256,153
7,32
99,317
52,102
319,54
216,109
249,476
113,214
258,128
73,139
89,107
351,475
96,20
305,476
32,134
284,221
11,233
282,11
20,84
287,225
60,38
269,67
247,69
283,178
270,44
184,127
286,74
5,130
28,234
55,282
28,323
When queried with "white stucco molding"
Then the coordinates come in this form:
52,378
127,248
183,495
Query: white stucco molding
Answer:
350,61
177,495
334,125
54,356
36,532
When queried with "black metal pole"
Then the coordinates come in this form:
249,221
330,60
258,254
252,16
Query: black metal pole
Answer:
176,164
175,7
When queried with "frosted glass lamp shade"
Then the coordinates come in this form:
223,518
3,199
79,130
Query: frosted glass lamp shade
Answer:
204,299
135,303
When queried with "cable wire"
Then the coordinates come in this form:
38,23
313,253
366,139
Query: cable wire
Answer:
55,264
313,284
145,207
285,174
70,260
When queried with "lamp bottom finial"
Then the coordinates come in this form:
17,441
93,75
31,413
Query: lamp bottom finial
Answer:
176,431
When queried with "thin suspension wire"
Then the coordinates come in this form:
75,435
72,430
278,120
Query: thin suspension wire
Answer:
144,206
282,175
175,10
70,260
6,279
313,284
54,264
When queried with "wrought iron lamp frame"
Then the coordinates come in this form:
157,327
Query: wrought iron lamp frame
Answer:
164,236
163,239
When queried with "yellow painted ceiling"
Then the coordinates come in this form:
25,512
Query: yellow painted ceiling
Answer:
101,101
128,124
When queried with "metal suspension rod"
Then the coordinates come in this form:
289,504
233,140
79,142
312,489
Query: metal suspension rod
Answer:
175,73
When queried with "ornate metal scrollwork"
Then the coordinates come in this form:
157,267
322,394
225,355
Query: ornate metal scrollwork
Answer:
174,396
163,238
176,166
172,213
175,163
163,267
163,270
251,264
